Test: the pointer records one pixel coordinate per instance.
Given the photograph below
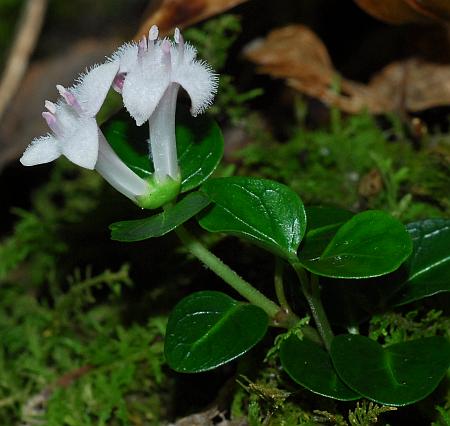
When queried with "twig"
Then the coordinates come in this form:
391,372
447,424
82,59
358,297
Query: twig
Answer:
25,40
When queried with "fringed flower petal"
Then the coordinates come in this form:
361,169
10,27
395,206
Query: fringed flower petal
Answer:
81,146
40,151
199,81
126,56
143,89
93,87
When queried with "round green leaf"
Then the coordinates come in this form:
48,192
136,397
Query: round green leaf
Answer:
209,328
199,146
399,374
162,223
309,365
263,211
323,223
428,267
370,244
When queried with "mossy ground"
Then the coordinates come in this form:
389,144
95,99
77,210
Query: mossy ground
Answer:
82,319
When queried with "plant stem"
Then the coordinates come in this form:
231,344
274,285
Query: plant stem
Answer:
244,288
312,294
279,286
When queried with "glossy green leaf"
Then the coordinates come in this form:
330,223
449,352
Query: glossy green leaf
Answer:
209,328
309,365
370,244
323,223
322,219
260,210
162,223
199,146
130,143
428,267
399,374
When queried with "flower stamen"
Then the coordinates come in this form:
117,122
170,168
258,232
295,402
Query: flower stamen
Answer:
153,34
51,107
69,97
52,122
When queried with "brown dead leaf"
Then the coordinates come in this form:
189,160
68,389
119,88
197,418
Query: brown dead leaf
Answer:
413,84
296,54
407,11
391,11
435,9
168,14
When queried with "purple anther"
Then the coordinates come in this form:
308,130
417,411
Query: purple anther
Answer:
51,121
179,40
142,47
118,82
69,97
165,46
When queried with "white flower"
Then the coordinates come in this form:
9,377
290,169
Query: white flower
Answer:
72,121
149,77
75,133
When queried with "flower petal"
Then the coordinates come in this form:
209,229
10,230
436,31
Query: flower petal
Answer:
199,81
41,150
126,55
144,86
93,87
81,146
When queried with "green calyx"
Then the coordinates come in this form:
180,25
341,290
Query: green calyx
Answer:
160,192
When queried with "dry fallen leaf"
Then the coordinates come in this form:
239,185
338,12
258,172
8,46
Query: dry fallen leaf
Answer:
169,14
406,11
391,11
413,84
436,9
298,55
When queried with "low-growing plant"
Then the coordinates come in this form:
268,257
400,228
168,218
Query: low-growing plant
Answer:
347,265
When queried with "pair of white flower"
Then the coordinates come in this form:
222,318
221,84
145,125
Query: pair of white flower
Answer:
148,74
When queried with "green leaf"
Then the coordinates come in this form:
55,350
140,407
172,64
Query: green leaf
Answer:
199,146
399,374
370,244
428,268
324,219
323,223
130,143
263,211
209,328
309,365
162,223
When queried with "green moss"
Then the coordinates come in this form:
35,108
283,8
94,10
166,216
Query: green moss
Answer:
396,327
356,164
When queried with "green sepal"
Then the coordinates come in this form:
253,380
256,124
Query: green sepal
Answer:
160,193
